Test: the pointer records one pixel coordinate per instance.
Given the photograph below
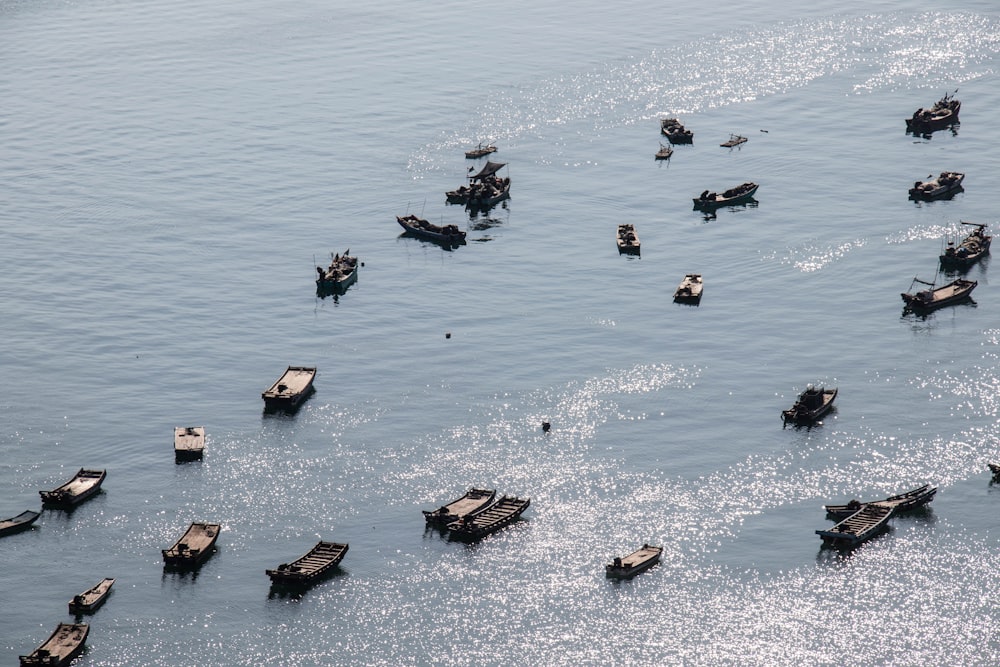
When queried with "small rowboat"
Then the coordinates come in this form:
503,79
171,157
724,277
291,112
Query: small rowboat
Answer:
734,140
480,151
341,274
943,114
295,385
740,194
311,567
903,502
634,563
689,290
61,648
501,513
446,234
92,598
936,297
83,485
947,183
675,132
194,546
812,404
18,523
189,442
473,501
628,242
664,153
971,249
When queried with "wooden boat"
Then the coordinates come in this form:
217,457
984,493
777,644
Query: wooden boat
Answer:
16,524
664,153
83,485
310,568
626,239
734,140
936,297
189,442
484,190
812,404
943,114
689,290
92,598
341,274
61,648
864,524
970,250
675,132
634,563
194,546
738,195
473,501
994,468
491,519
447,234
903,502
947,182
481,151
290,389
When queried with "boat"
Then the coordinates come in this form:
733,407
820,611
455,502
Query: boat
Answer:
626,239
734,140
675,132
970,250
689,290
189,442
484,190
16,524
903,502
480,151
812,404
634,563
664,153
311,567
85,483
92,598
341,274
947,182
447,234
488,520
194,547
61,648
943,114
936,297
290,389
862,525
994,468
473,501
737,195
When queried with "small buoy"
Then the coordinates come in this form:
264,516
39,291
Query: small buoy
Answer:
546,426
447,335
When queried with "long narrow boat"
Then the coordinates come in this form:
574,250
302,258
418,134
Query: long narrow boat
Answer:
864,524
634,563
447,234
85,483
501,513
811,405
341,274
295,384
473,501
61,648
92,598
193,547
311,567
936,297
970,250
947,182
734,196
903,502
628,242
189,442
16,524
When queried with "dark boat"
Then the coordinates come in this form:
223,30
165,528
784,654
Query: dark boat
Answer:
473,501
903,502
446,234
626,239
664,153
310,568
484,190
16,524
675,132
341,274
61,648
634,563
943,114
738,195
194,546
947,183
290,389
189,442
689,290
480,151
491,519
83,485
812,404
862,525
994,468
92,598
936,297
734,140
970,250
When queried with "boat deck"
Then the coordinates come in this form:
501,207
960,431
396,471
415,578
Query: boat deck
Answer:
864,524
194,546
489,520
60,648
189,440
321,558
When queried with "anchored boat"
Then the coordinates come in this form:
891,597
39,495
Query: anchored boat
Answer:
189,442
194,546
636,562
476,526
812,404
970,250
930,299
628,242
903,502
473,501
61,648
92,598
943,114
294,386
18,523
83,485
310,568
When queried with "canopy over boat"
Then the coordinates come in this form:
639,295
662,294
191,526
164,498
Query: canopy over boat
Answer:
488,169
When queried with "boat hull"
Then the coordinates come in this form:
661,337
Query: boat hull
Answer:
61,648
473,501
16,524
85,484
903,502
92,599
314,566
502,513
293,387
721,200
193,548
636,562
802,413
946,295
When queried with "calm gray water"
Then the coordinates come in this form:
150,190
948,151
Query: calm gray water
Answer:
172,173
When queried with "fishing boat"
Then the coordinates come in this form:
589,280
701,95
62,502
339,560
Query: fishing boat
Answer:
480,151
734,140
485,188
311,567
664,153
61,648
288,392
16,524
489,520
943,114
811,405
969,250
626,239
473,501
994,468
689,290
194,546
675,132
935,297
740,194
862,525
92,598
446,234
85,483
189,442
903,502
946,183
636,562
339,275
